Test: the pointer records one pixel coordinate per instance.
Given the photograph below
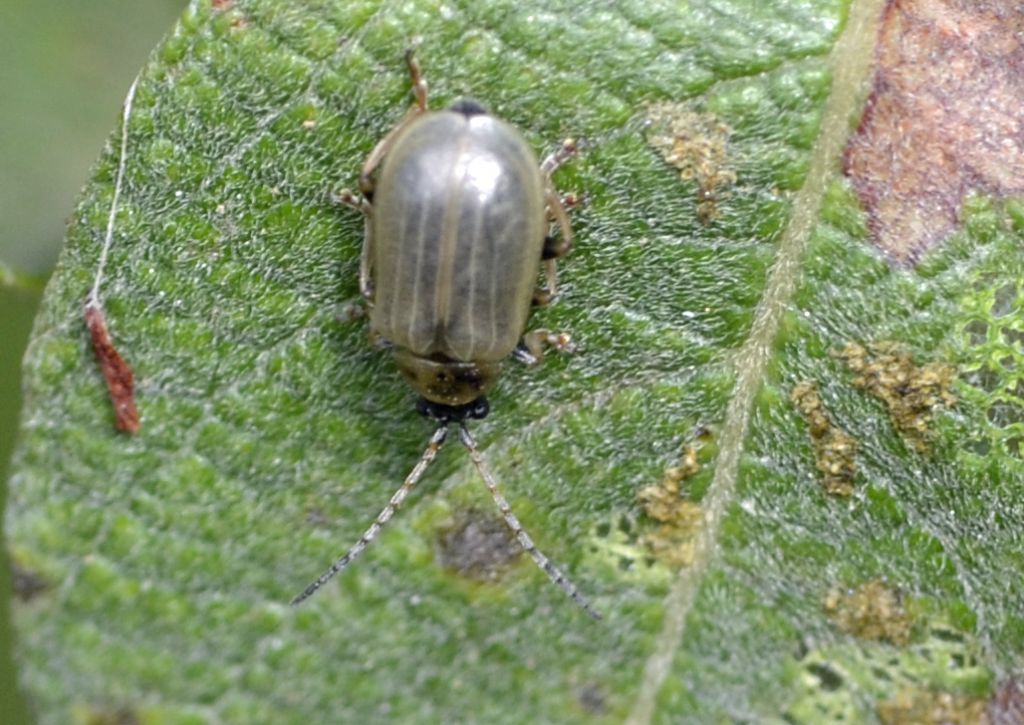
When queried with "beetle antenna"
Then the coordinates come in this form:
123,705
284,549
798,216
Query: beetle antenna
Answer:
517,528
436,441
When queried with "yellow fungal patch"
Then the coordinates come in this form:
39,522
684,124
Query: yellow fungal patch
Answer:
835,450
873,611
696,144
911,393
927,707
671,542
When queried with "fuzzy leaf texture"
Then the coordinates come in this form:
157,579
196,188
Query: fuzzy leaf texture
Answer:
784,466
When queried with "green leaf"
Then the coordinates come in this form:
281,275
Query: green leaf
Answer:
157,568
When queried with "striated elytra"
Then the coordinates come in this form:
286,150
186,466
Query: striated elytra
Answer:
457,232
457,224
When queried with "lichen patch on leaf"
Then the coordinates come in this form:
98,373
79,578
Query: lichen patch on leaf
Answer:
911,393
944,117
835,450
991,355
697,145
615,544
873,611
868,680
672,541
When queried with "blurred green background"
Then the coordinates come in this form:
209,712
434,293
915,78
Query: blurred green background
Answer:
65,66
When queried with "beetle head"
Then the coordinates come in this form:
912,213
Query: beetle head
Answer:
451,383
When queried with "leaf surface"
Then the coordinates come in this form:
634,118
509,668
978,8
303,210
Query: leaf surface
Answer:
272,433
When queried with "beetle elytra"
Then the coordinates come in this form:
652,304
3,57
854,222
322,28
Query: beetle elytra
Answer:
457,221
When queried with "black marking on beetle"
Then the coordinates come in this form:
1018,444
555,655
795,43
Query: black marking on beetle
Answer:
444,414
468,107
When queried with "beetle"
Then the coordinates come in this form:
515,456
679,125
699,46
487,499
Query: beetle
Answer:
456,231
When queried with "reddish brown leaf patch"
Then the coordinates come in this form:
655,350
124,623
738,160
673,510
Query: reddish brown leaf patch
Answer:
1007,704
945,117
120,381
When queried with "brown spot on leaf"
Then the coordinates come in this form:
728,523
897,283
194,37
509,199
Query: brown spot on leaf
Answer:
478,545
873,611
110,716
911,393
1006,707
696,144
593,699
27,585
835,450
920,706
945,116
672,541
120,381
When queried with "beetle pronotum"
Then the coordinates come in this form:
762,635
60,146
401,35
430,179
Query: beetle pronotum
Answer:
456,229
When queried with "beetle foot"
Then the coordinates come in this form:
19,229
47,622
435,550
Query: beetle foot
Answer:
552,162
378,341
351,312
347,198
530,349
542,297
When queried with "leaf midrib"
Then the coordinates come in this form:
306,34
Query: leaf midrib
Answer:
850,65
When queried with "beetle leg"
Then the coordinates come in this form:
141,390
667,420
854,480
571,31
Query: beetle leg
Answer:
530,349
366,264
557,247
378,341
347,198
366,183
552,162
419,87
554,247
363,205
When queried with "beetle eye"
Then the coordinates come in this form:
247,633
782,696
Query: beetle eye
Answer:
468,107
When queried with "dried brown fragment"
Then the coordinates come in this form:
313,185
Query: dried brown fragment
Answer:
697,145
117,373
911,393
873,611
673,540
918,706
1006,706
478,545
835,451
944,117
